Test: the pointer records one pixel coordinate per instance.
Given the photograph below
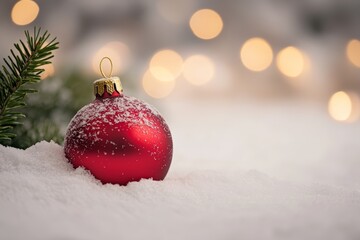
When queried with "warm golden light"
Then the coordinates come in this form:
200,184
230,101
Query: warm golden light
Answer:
198,69
291,62
256,54
353,52
24,12
119,54
344,106
155,87
166,65
49,71
206,24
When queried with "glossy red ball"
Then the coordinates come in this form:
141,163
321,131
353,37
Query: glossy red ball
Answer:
119,140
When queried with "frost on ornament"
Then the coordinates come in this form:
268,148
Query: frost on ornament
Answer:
119,138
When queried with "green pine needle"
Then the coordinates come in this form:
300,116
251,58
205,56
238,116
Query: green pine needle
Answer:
21,69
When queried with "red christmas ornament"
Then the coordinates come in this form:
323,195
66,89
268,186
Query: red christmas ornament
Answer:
117,138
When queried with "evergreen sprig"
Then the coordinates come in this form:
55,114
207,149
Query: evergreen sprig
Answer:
20,70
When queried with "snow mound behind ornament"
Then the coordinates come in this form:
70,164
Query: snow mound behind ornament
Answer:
117,138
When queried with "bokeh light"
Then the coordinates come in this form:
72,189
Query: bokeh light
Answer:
24,12
198,69
291,62
49,71
353,52
206,24
344,106
155,87
256,54
119,54
166,65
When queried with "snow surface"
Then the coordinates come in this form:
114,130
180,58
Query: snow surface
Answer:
247,172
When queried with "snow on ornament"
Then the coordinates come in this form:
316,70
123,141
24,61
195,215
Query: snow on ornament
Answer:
117,138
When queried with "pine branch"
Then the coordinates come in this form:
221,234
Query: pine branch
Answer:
21,69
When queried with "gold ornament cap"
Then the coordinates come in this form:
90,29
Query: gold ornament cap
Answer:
108,83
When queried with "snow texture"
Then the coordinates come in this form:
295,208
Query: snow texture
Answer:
205,196
111,111
109,108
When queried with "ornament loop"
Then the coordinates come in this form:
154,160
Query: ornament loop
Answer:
101,69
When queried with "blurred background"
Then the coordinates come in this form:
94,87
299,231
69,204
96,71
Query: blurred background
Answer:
271,85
